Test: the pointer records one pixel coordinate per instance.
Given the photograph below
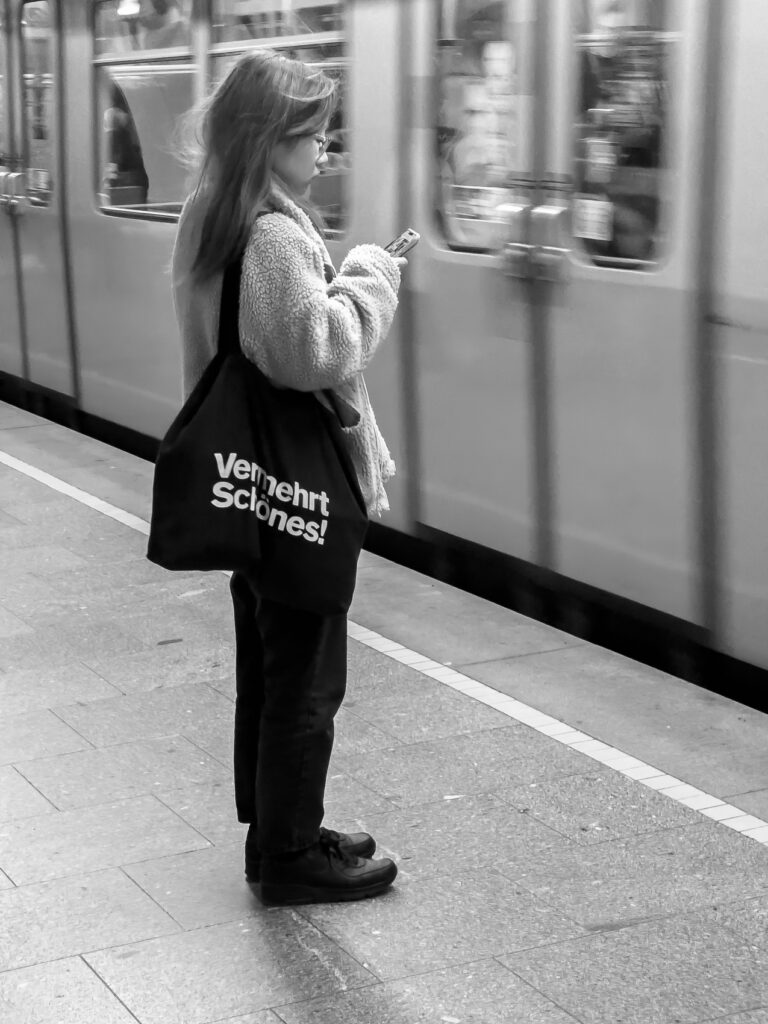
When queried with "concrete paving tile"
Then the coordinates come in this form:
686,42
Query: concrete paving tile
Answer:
476,763
709,741
50,447
267,1017
120,772
472,832
752,1017
354,737
18,799
209,809
372,674
11,417
36,734
76,842
749,920
95,539
658,873
57,993
51,920
215,738
483,992
125,488
420,709
69,639
226,970
412,774
201,888
16,488
7,522
598,807
44,559
105,547
188,711
11,625
440,921
652,973
754,802
442,622
27,595
132,572
35,689
157,622
346,797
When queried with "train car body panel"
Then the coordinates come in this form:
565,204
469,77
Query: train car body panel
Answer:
740,318
472,331
35,197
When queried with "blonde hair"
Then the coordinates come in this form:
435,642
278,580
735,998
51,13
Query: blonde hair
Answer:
266,98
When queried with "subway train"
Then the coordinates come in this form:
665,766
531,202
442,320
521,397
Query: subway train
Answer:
576,386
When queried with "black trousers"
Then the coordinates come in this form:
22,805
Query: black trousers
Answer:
291,669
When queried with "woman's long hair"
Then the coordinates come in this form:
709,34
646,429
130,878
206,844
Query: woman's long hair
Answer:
265,99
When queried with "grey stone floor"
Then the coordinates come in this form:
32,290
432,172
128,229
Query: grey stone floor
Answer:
535,885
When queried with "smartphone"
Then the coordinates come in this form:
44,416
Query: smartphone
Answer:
403,243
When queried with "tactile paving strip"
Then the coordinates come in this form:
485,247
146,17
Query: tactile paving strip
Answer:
711,806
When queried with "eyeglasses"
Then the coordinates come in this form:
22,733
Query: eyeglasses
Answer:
323,142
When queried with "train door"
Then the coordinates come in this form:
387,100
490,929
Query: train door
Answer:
474,164
11,352
555,296
38,345
619,208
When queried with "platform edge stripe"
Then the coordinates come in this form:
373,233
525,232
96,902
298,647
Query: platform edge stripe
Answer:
744,823
97,504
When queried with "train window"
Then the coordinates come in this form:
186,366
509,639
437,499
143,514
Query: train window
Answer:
5,141
239,20
624,51
139,106
483,131
37,56
133,26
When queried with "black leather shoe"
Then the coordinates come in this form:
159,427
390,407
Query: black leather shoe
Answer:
325,873
360,844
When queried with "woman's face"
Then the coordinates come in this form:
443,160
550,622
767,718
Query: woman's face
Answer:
298,161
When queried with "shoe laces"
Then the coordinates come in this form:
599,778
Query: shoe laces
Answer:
330,844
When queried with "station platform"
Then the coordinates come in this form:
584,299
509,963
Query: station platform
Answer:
580,838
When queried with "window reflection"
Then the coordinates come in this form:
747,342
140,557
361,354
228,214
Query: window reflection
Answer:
484,106
239,20
37,39
139,107
622,120
130,26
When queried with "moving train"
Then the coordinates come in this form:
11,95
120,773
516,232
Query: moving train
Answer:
576,387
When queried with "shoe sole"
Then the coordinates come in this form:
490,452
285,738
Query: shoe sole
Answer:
253,876
292,895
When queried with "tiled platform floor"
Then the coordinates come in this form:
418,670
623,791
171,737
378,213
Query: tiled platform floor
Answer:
536,886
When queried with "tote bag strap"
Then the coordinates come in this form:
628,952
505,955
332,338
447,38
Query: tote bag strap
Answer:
229,311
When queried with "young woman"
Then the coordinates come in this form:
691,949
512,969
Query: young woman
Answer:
306,327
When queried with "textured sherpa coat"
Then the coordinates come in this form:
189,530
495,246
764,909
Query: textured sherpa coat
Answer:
302,324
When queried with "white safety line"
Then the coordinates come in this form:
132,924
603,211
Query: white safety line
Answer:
710,806
74,492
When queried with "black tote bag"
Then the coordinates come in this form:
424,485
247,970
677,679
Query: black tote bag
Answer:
257,478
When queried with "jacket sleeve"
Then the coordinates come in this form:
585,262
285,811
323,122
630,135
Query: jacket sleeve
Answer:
301,332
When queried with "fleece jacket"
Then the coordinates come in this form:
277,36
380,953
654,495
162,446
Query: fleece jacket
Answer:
304,325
